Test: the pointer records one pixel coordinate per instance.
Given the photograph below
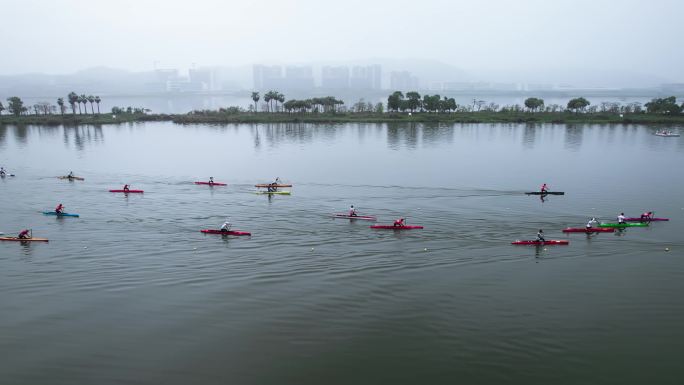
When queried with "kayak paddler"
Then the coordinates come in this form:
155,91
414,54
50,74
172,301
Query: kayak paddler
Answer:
544,189
647,216
24,234
59,209
592,222
401,222
225,227
2,171
352,211
540,236
126,188
71,175
621,218
211,180
272,187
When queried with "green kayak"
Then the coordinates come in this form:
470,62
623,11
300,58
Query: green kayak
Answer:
620,225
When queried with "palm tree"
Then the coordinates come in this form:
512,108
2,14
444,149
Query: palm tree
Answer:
73,99
60,102
98,100
255,97
279,98
267,98
91,100
84,100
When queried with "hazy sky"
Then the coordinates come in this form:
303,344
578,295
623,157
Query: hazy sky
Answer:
62,36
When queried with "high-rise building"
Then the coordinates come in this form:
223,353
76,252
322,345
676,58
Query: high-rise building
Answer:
403,80
366,77
335,77
298,78
203,79
267,77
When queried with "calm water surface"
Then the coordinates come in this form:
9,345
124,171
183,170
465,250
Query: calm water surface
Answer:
132,293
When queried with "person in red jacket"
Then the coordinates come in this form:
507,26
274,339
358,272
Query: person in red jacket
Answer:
24,234
59,209
400,222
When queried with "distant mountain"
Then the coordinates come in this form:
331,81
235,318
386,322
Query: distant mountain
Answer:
98,80
577,78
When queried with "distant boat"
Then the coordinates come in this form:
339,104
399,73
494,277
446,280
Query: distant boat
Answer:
666,134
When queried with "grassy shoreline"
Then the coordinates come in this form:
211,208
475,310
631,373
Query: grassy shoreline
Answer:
456,117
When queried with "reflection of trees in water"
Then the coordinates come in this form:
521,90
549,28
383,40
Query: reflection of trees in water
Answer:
3,135
398,135
82,135
275,133
573,137
437,133
529,135
403,134
257,138
21,134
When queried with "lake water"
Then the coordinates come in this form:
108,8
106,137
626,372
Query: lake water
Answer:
132,293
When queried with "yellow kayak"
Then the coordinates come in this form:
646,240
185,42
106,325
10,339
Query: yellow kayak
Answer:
274,192
23,239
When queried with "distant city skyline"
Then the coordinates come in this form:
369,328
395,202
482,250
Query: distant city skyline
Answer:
497,36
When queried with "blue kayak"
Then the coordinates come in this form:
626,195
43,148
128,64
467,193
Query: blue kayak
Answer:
60,215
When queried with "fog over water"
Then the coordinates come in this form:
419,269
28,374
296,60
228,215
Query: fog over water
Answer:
496,40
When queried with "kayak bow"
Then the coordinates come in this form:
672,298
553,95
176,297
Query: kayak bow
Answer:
128,192
265,185
589,230
274,192
359,217
229,232
622,225
61,214
16,239
540,243
392,227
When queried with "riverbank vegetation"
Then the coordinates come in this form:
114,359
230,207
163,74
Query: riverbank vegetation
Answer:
400,107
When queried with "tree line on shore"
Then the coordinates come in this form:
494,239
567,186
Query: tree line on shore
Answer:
413,102
16,107
397,102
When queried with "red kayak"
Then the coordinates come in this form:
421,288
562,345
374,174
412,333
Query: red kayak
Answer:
646,219
391,227
589,230
127,192
229,232
359,217
212,183
539,243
